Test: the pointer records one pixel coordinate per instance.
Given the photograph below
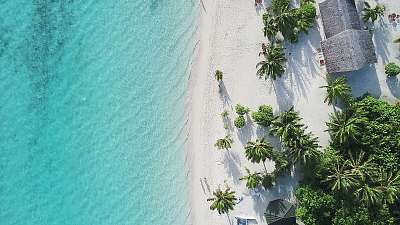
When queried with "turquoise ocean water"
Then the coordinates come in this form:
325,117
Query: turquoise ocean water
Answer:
92,115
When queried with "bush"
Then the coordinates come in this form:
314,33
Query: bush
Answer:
361,216
380,131
278,4
263,116
267,181
281,163
240,121
357,216
302,2
314,206
308,11
241,110
392,69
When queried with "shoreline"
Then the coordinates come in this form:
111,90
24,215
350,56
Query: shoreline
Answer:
195,93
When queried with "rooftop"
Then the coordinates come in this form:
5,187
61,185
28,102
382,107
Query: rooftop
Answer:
347,47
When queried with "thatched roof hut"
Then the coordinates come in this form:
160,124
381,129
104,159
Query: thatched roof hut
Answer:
347,47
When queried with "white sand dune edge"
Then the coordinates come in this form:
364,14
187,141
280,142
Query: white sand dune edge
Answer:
230,36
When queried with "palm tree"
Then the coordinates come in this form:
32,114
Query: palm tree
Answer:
340,178
252,179
223,201
337,89
258,151
224,143
303,147
270,28
372,13
273,65
360,166
366,192
390,186
343,129
284,124
218,76
285,20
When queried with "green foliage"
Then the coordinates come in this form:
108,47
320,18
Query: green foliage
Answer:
289,22
218,75
360,167
307,12
241,110
224,143
344,129
258,151
263,116
392,69
337,90
380,137
225,114
223,200
281,163
240,121
252,179
302,2
327,162
314,206
267,180
279,4
357,216
273,64
372,14
301,145
362,216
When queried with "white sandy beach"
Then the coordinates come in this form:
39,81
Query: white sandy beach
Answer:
230,37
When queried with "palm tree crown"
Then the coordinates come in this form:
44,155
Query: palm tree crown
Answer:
337,89
224,143
218,75
372,13
252,179
343,129
273,64
223,201
258,151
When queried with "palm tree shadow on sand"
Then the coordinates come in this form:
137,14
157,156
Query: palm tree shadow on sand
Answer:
246,133
224,95
284,95
394,86
231,162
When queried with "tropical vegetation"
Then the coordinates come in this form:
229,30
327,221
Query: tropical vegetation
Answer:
372,13
263,116
337,90
240,121
301,146
273,65
218,76
224,143
392,69
289,22
356,180
223,200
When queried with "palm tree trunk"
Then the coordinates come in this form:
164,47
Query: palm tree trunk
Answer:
229,219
